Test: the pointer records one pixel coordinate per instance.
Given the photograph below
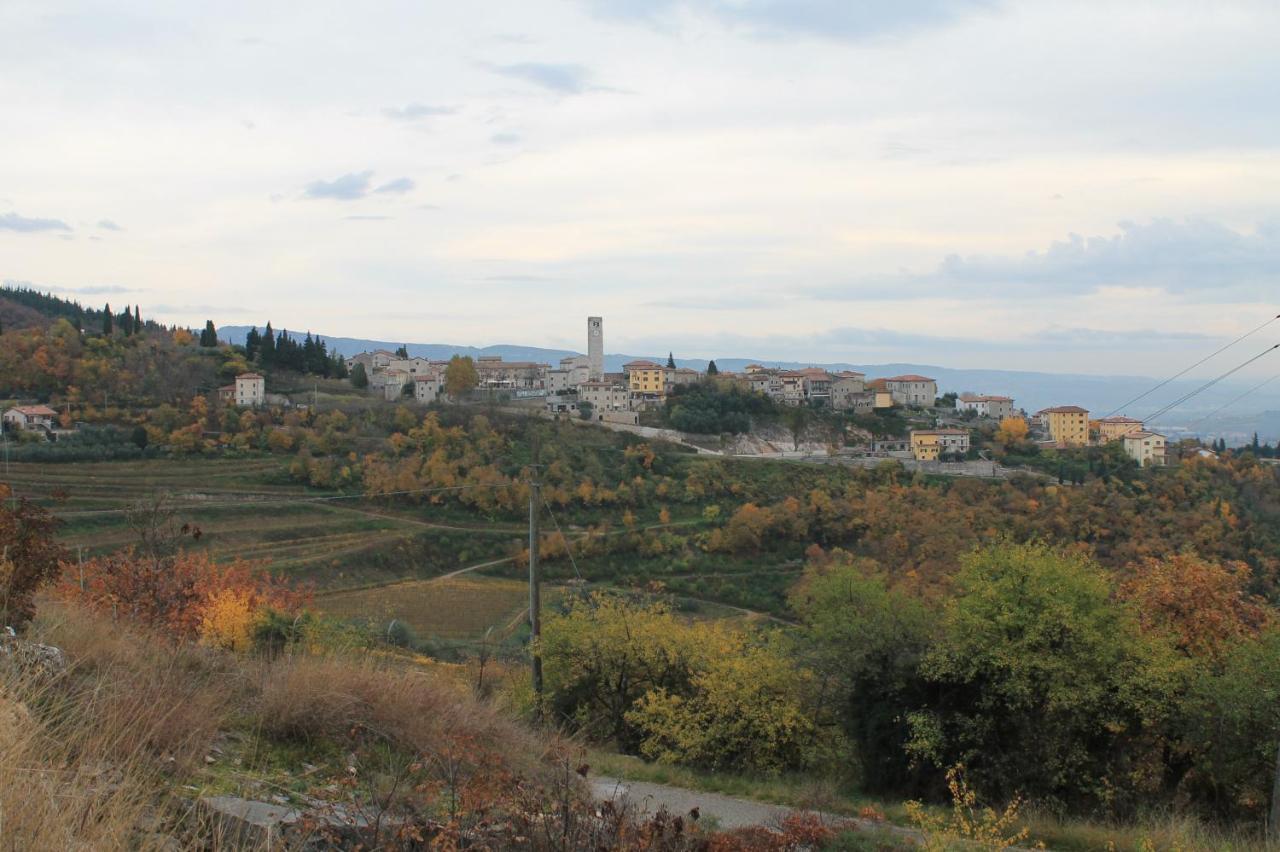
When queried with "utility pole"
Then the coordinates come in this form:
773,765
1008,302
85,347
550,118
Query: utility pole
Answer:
535,591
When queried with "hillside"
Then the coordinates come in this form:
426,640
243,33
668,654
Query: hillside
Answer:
1031,390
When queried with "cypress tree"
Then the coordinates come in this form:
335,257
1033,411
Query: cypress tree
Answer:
107,321
712,369
267,351
252,340
671,361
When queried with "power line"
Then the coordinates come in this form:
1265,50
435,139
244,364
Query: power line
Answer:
1220,409
1150,391
1157,415
568,545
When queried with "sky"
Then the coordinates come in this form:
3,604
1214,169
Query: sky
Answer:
1087,187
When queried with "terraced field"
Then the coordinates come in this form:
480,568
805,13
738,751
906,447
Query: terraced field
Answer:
250,509
460,607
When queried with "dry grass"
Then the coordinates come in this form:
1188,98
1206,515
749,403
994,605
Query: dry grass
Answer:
85,754
456,608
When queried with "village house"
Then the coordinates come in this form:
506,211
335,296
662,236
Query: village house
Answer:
1146,448
685,376
849,392
882,397
648,378
31,418
391,383
494,373
1116,427
995,407
912,390
932,444
1068,425
604,396
413,366
427,389
251,390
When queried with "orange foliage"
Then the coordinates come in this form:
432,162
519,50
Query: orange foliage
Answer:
180,593
1202,604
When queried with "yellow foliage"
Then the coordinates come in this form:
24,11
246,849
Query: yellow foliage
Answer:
227,620
968,825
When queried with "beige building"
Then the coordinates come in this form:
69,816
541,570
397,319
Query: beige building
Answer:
685,376
494,373
413,366
882,397
995,407
427,389
1068,425
932,444
251,390
1146,448
1114,428
604,396
912,390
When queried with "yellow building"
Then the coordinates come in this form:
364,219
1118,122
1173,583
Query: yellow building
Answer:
883,396
1068,425
647,377
925,446
1114,428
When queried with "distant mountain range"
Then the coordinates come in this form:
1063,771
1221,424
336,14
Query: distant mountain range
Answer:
1259,412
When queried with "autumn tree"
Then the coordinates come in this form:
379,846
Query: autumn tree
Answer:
1012,431
460,376
29,557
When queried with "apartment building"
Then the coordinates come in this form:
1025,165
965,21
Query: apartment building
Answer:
912,390
1068,425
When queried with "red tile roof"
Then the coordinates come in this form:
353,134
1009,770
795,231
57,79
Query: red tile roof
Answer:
1065,409
35,411
910,377
643,365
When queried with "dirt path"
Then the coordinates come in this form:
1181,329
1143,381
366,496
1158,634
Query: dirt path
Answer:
728,811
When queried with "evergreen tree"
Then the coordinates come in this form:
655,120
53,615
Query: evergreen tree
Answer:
107,320
126,321
137,321
267,349
402,352
712,369
252,340
1254,445
340,368
359,376
209,337
671,361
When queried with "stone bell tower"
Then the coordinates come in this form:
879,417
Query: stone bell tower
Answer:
595,348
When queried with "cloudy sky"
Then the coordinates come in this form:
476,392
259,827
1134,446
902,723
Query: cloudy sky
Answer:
1077,187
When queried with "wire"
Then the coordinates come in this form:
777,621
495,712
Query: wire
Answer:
568,545
1150,391
1222,408
1210,384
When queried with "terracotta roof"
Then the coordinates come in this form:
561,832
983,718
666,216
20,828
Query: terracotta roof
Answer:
1064,409
643,365
878,384
910,377
35,411
1139,435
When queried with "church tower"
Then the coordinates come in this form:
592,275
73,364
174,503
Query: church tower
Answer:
595,348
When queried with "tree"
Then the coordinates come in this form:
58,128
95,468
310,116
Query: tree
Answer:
209,336
671,361
460,376
584,410
107,320
252,340
865,639
359,376
267,349
1041,680
29,558
1012,431
137,321
402,352
712,369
